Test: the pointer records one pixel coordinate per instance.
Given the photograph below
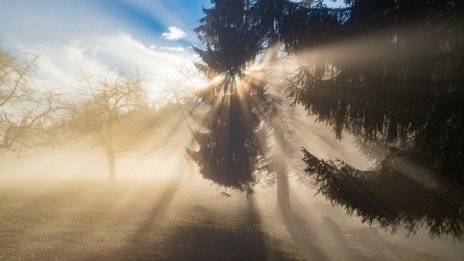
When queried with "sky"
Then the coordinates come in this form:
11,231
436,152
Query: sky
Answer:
92,37
87,37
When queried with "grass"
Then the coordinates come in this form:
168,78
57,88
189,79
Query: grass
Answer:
187,219
98,222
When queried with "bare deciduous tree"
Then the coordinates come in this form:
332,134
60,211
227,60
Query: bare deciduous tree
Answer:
24,111
100,112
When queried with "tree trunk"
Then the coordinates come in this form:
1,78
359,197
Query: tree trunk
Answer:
280,156
111,164
280,162
283,192
110,149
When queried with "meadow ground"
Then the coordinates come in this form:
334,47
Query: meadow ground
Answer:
97,221
186,218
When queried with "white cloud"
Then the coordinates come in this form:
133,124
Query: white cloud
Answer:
63,66
174,33
168,48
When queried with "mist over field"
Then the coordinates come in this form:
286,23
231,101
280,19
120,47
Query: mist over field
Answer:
231,130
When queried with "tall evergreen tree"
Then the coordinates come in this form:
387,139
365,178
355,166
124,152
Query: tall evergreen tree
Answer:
228,33
235,34
391,74
229,149
350,58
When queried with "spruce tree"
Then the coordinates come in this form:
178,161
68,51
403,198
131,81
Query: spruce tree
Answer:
227,134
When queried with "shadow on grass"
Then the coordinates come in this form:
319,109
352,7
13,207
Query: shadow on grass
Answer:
302,232
201,234
322,241
157,212
219,237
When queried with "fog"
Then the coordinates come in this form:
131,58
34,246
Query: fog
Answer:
291,130
62,198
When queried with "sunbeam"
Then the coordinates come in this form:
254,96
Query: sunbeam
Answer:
272,130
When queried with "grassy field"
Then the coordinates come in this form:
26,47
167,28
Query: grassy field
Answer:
188,219
103,222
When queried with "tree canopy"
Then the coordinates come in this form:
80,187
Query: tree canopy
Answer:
388,72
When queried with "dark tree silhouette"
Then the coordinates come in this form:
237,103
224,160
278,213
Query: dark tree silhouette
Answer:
387,71
229,149
397,193
391,74
404,85
231,42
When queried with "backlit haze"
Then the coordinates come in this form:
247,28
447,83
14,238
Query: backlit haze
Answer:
142,197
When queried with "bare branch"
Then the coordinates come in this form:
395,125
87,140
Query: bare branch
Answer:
21,75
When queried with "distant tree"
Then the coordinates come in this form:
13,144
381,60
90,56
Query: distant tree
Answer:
24,111
100,112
